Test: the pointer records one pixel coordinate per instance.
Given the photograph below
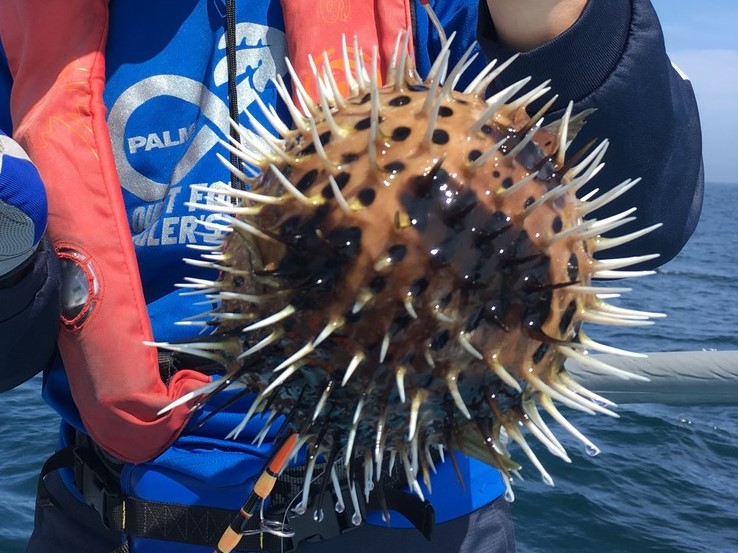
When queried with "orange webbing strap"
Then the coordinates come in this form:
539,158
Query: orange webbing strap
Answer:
317,27
55,50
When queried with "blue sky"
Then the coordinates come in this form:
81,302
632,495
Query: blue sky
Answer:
702,40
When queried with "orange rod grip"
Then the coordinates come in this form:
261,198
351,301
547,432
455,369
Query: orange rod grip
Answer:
264,485
228,541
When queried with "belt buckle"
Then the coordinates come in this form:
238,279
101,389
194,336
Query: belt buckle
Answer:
90,481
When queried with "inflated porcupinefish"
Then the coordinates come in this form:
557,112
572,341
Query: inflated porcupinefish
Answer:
410,269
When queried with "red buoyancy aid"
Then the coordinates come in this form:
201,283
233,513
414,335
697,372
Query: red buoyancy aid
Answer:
317,27
55,50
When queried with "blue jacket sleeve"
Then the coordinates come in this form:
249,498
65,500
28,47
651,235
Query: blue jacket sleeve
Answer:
614,59
29,295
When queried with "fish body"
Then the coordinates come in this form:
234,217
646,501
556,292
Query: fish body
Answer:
410,268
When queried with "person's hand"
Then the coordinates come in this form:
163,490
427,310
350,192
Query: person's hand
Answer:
23,209
523,25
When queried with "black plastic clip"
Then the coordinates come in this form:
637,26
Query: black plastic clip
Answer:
99,490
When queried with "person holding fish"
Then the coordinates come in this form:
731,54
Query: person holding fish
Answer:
117,111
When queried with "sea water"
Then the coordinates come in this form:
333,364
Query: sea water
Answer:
666,480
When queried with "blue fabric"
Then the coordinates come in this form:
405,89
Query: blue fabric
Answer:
449,499
22,188
458,17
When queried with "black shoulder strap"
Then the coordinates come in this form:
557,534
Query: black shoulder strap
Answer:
64,458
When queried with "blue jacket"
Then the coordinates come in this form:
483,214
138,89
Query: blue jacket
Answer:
612,59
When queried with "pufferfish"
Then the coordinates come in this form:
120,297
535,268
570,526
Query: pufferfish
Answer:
408,270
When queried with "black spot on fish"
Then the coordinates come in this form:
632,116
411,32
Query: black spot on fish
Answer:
496,174
307,180
567,317
366,196
307,150
325,138
445,111
541,352
342,179
507,182
394,167
486,129
572,267
377,284
363,124
530,201
397,253
474,155
400,133
399,101
440,136
557,225
349,158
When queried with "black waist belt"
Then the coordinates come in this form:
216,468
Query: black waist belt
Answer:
97,477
